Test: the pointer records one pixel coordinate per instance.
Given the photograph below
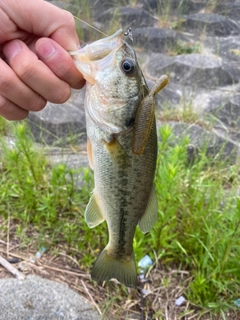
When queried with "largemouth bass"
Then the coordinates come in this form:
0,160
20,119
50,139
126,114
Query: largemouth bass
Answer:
122,150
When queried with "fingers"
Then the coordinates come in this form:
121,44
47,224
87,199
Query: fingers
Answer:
11,111
15,95
34,73
59,61
44,19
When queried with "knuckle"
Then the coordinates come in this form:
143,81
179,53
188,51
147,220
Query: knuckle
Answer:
10,111
25,70
38,104
64,70
69,19
3,104
62,94
7,82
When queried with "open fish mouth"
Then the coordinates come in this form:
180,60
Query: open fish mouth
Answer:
97,55
101,54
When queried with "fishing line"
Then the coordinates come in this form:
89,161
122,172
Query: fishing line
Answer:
89,25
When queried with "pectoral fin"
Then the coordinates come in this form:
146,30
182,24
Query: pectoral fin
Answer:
151,214
144,117
117,153
93,215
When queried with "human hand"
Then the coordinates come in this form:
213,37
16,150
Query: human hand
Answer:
35,66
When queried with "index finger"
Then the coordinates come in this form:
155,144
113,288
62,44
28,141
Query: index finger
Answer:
43,19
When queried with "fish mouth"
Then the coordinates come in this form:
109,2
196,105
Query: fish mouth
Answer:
100,54
97,55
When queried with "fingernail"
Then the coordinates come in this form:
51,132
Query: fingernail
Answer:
11,49
45,50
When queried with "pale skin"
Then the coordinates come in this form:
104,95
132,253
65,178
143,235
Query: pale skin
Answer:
35,66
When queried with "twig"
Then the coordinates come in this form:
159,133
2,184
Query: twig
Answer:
8,231
69,257
66,271
91,298
19,275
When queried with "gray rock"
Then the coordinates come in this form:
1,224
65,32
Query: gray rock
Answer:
128,17
36,298
229,9
175,7
170,96
76,161
60,124
195,70
155,39
63,155
229,48
226,112
211,24
216,146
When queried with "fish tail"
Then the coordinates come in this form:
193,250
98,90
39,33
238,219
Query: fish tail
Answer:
107,267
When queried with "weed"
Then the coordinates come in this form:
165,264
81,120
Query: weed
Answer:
185,48
198,227
3,126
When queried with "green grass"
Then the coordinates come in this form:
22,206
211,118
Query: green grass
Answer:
199,220
199,223
185,48
33,192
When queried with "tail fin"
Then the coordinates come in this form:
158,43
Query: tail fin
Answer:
106,268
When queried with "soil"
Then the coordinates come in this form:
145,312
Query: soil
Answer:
112,300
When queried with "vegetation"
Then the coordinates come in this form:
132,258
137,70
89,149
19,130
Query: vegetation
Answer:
199,217
194,245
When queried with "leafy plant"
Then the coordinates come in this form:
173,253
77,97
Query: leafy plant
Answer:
199,226
199,216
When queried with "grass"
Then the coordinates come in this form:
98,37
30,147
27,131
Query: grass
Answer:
197,232
195,244
185,48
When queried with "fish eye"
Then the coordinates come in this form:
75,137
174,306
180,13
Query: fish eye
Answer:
128,66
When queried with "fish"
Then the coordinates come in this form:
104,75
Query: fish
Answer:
122,150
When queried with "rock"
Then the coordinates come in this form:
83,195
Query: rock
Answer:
169,97
200,138
210,24
195,79
229,9
59,124
36,298
196,70
226,112
73,160
229,48
128,17
174,7
154,39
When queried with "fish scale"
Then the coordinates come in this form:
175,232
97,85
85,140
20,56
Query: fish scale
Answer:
122,151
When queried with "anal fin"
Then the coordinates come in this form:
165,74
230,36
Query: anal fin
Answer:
93,215
150,216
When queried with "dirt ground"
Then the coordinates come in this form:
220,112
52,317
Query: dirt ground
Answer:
112,300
